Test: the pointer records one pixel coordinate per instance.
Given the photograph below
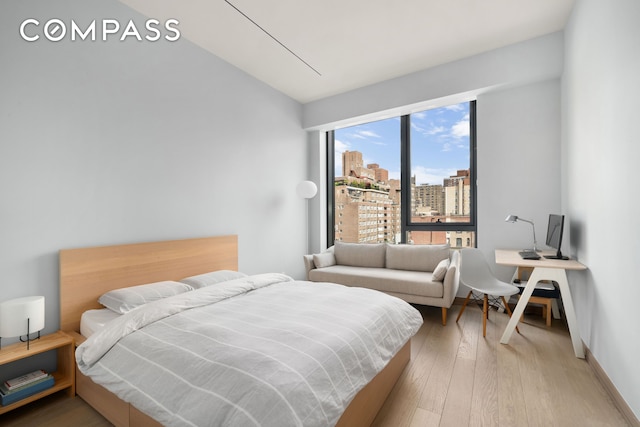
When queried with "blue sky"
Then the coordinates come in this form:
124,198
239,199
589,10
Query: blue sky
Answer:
439,143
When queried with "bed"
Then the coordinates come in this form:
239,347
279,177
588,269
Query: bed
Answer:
86,274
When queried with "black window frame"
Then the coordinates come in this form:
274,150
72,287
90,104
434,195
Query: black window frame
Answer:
406,225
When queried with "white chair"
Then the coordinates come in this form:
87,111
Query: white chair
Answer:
477,275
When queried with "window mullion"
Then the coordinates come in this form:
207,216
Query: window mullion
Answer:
331,188
405,175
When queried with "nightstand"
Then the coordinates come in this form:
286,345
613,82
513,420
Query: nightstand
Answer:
65,374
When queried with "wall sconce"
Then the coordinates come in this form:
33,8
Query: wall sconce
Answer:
21,317
307,189
514,218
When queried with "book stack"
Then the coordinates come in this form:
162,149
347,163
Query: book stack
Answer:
24,386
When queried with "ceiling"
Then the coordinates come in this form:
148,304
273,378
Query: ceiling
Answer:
311,49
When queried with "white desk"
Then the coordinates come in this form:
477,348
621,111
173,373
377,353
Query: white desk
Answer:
543,269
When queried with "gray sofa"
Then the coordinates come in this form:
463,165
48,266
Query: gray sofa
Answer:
419,274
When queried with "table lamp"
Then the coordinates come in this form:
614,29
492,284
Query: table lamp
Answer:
514,218
21,317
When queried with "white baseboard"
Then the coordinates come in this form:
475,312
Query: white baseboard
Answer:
617,398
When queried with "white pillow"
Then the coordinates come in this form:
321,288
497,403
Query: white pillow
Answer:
325,259
206,279
124,300
440,270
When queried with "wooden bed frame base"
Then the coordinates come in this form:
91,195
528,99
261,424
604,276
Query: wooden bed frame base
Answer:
360,413
85,274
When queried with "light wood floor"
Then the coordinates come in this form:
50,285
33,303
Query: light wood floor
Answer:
458,378
455,378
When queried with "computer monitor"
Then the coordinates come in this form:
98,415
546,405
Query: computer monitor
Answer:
554,235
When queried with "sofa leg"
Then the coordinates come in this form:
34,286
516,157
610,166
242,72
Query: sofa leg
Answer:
444,316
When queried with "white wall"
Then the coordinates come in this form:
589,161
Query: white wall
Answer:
518,156
117,142
317,230
601,88
519,64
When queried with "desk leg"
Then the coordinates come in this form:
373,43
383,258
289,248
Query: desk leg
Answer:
522,304
570,313
559,276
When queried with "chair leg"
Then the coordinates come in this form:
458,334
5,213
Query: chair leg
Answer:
485,314
444,316
506,307
464,305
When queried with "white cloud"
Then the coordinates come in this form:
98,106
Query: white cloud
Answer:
340,147
364,134
455,107
460,129
366,161
417,128
368,133
431,130
431,175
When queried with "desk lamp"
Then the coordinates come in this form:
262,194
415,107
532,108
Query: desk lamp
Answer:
514,218
22,316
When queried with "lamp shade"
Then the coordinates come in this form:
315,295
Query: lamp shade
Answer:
511,218
306,189
15,312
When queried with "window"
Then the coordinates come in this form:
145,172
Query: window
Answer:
365,192
431,153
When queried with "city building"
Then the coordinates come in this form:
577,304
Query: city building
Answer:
458,194
367,206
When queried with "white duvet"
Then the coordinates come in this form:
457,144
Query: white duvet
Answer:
258,351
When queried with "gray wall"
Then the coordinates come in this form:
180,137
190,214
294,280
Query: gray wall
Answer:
116,142
600,163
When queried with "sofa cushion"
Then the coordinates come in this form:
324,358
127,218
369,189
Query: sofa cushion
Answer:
381,279
360,254
415,257
441,270
324,259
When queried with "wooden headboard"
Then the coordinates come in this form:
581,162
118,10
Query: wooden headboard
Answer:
87,273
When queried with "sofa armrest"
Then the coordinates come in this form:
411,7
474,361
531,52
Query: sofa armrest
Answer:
452,279
308,261
308,264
